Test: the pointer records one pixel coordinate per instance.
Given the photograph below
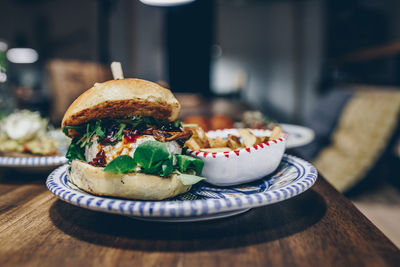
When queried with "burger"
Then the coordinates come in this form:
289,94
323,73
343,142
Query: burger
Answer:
127,142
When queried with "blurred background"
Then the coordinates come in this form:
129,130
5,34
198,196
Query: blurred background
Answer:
330,65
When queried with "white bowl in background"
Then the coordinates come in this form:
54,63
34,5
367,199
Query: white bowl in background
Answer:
244,165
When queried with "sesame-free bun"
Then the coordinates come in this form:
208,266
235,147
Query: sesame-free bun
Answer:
132,185
121,98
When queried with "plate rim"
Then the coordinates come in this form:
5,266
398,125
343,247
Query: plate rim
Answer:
35,161
209,217
181,208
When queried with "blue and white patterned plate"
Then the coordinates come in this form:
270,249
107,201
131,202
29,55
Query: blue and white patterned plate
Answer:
32,161
203,201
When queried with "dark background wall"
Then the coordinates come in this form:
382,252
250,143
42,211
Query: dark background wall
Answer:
282,50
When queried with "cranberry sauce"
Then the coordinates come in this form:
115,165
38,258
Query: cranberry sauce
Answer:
99,160
130,136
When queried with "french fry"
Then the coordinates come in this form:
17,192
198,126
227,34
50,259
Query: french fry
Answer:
217,142
198,131
192,144
261,139
200,136
275,134
248,138
200,142
234,142
204,142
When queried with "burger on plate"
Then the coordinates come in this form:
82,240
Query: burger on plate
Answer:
127,142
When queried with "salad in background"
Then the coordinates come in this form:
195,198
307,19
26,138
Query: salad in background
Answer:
255,120
26,133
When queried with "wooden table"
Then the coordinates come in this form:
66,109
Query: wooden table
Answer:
317,228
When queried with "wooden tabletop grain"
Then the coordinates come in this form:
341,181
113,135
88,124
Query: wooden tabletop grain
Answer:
317,228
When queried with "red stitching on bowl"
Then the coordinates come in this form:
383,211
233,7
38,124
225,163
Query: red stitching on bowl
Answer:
237,152
214,154
197,153
205,154
248,149
226,154
267,143
255,147
261,145
280,139
275,141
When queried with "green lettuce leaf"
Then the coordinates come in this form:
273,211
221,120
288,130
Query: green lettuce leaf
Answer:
153,158
121,164
188,179
186,163
75,152
167,166
150,153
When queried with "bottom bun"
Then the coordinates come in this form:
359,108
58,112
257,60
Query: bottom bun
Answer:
133,185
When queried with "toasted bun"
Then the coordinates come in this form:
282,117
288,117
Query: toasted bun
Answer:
120,98
136,186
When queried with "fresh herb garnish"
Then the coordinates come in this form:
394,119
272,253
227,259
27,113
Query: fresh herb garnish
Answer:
91,129
121,164
119,134
188,179
153,158
99,130
111,131
167,166
75,152
178,124
150,153
186,163
102,128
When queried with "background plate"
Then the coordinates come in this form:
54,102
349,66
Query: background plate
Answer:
297,135
32,162
203,201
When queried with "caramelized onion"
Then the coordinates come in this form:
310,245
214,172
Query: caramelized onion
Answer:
99,160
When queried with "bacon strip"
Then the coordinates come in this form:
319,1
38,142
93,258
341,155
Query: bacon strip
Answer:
148,131
163,136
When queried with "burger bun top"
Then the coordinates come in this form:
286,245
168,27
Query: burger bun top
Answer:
122,98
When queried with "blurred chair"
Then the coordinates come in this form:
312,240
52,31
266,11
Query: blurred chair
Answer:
69,79
356,131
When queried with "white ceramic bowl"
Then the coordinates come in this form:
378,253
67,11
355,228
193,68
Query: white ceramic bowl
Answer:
243,165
